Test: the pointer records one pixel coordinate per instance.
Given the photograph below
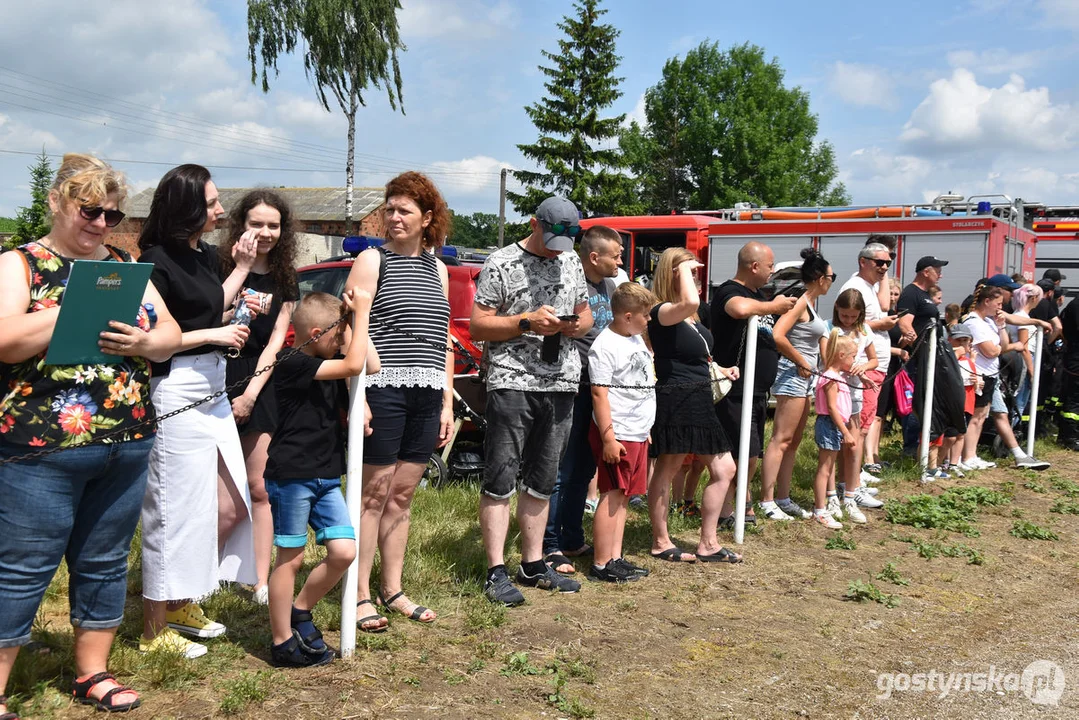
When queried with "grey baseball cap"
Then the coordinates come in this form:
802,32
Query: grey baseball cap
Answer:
561,223
959,332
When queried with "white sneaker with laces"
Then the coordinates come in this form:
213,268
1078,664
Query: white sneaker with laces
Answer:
827,521
865,500
772,512
835,507
791,508
868,479
983,464
966,466
855,515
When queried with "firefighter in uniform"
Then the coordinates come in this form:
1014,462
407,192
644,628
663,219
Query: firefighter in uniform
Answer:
1068,416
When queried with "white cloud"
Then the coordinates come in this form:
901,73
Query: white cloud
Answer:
470,175
636,114
308,114
463,20
1061,13
18,136
862,85
231,104
996,61
960,115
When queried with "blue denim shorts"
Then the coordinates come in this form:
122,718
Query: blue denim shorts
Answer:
317,502
997,404
790,384
827,435
82,505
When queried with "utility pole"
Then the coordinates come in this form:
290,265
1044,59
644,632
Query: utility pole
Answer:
502,207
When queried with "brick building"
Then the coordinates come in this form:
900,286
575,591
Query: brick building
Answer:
319,214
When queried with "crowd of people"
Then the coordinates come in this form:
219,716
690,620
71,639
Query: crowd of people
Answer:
588,376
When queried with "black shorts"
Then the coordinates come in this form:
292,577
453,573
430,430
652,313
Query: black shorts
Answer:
729,412
527,434
404,424
986,397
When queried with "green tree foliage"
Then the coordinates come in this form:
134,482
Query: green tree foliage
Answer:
348,46
575,148
480,230
32,222
722,128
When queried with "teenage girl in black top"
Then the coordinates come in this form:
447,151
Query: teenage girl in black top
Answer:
264,214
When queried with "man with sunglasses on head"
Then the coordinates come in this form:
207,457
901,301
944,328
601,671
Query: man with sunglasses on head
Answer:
871,281
531,300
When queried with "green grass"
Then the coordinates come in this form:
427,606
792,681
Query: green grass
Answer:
860,591
841,540
247,689
1026,530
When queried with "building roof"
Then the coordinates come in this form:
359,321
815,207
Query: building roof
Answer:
308,204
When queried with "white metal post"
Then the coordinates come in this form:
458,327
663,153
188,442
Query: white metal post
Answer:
742,478
357,391
927,403
1035,381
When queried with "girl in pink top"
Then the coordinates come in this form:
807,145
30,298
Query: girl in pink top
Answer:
833,413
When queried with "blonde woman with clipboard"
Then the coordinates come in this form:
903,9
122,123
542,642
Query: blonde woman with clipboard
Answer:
76,503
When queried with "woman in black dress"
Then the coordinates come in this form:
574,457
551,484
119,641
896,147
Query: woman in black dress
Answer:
685,417
266,217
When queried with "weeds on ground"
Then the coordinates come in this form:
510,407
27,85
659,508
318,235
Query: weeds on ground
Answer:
840,541
861,591
244,690
1035,486
1065,507
518,664
1026,530
929,549
889,573
1063,484
952,510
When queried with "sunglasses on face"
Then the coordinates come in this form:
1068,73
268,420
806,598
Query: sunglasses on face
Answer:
881,263
562,228
112,217
832,277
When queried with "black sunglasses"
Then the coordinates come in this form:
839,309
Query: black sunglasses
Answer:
112,217
832,277
881,263
562,228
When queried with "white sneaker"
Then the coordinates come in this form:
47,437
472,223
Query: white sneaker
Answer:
827,521
850,507
980,464
835,507
791,508
866,500
952,470
261,596
868,479
966,466
772,512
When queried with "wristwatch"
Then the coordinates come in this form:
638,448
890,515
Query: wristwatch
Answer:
524,324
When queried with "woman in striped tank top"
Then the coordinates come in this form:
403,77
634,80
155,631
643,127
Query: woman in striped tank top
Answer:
410,401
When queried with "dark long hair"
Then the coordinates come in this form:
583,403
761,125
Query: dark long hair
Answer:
283,256
178,210
814,266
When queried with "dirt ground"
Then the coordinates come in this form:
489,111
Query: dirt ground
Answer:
771,638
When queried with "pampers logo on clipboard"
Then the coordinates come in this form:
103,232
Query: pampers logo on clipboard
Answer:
111,281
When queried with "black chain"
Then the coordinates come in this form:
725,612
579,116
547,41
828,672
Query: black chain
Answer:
152,422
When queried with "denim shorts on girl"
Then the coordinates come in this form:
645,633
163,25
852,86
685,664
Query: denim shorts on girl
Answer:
827,435
317,502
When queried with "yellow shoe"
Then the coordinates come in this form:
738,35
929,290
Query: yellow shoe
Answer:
170,641
190,620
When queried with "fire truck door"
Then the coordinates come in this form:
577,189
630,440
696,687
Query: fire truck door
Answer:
966,256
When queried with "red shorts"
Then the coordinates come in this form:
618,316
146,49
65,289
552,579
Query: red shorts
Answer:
870,398
630,475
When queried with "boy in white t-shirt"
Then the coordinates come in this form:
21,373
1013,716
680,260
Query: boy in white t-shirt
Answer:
623,421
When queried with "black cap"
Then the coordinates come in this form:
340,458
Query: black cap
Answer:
1054,275
1047,285
929,261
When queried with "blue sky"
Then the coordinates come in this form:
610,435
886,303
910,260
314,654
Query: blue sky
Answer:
972,96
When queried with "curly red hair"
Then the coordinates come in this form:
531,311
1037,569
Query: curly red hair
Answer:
419,188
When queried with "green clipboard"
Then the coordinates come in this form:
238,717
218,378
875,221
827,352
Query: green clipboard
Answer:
97,292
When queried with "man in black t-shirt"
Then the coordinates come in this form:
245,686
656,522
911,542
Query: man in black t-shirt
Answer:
1049,387
1069,396
733,303
918,313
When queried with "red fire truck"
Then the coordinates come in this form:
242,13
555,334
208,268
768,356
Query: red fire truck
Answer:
1057,229
977,237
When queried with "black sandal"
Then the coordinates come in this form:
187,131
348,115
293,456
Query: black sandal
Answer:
369,618
7,715
414,615
557,560
82,689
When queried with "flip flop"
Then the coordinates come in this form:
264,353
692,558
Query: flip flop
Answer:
723,556
369,618
558,561
585,549
672,554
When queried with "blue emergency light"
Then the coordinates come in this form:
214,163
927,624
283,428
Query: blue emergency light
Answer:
356,244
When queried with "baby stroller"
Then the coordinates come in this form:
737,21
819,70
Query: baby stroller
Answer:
461,459
1011,374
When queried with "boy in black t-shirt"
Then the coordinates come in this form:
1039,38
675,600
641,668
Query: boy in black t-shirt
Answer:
303,472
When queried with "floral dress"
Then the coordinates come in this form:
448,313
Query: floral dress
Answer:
48,405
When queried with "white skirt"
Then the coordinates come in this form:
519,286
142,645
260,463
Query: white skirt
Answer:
179,511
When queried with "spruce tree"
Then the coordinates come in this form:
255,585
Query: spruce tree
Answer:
577,150
32,222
